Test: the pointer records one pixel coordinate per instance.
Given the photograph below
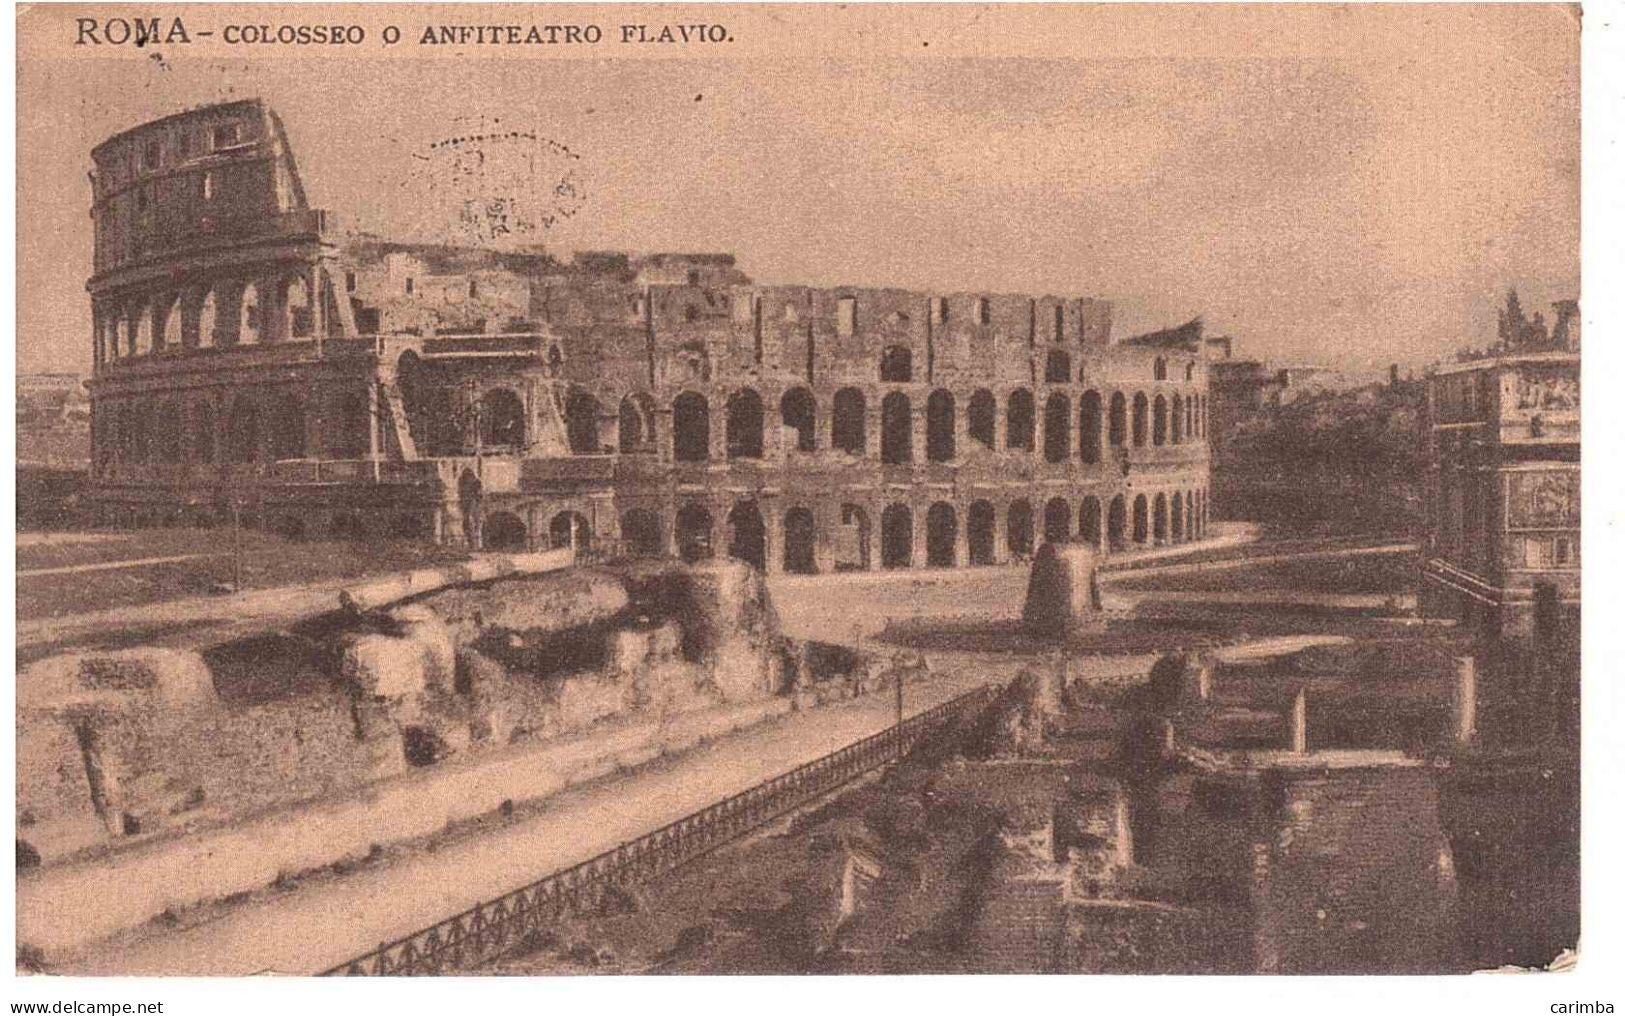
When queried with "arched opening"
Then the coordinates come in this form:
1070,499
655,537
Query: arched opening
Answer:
798,414
1159,422
640,533
1139,419
941,533
896,536
1177,430
635,429
581,423
744,430
570,529
852,548
1057,520
800,542
504,531
287,425
693,533
1190,516
980,520
1117,428
242,431
1089,520
1159,369
1141,525
1176,519
939,426
141,329
1116,524
1159,519
747,535
1057,367
301,317
1019,419
1089,427
167,433
847,428
168,329
1018,528
249,315
981,415
208,324
690,428
502,419
897,365
896,430
1057,428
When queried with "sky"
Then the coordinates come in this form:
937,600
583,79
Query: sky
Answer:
1344,186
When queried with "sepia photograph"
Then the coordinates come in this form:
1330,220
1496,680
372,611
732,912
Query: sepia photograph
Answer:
516,491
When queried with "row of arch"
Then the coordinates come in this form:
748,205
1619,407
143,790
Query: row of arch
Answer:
897,367
1098,424
944,535
227,313
248,427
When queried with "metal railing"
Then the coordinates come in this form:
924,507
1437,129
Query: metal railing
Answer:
488,930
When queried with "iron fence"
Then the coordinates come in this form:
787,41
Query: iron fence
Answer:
488,930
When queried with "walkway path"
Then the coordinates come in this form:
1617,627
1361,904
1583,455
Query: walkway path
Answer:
136,562
328,921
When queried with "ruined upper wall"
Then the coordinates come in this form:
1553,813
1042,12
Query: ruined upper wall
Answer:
219,172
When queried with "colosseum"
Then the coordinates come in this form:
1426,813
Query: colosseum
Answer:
250,361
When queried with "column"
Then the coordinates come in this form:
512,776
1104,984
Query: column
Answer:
1001,533
916,432
918,543
961,537
772,537
961,427
717,421
871,432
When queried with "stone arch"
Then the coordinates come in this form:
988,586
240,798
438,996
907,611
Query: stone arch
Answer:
847,425
502,419
641,533
167,329
207,331
853,548
1176,432
1018,527
1057,427
1116,524
1176,519
1159,422
1089,427
298,309
798,413
503,531
896,430
896,536
286,423
897,365
1140,408
800,542
581,422
747,534
690,428
941,535
1141,527
1089,520
1020,416
694,533
1159,369
141,327
635,428
1117,425
980,526
1057,520
981,416
939,426
1057,367
570,529
1159,519
242,430
744,424
251,317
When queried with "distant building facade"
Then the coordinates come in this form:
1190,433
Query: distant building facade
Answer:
1502,548
660,404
